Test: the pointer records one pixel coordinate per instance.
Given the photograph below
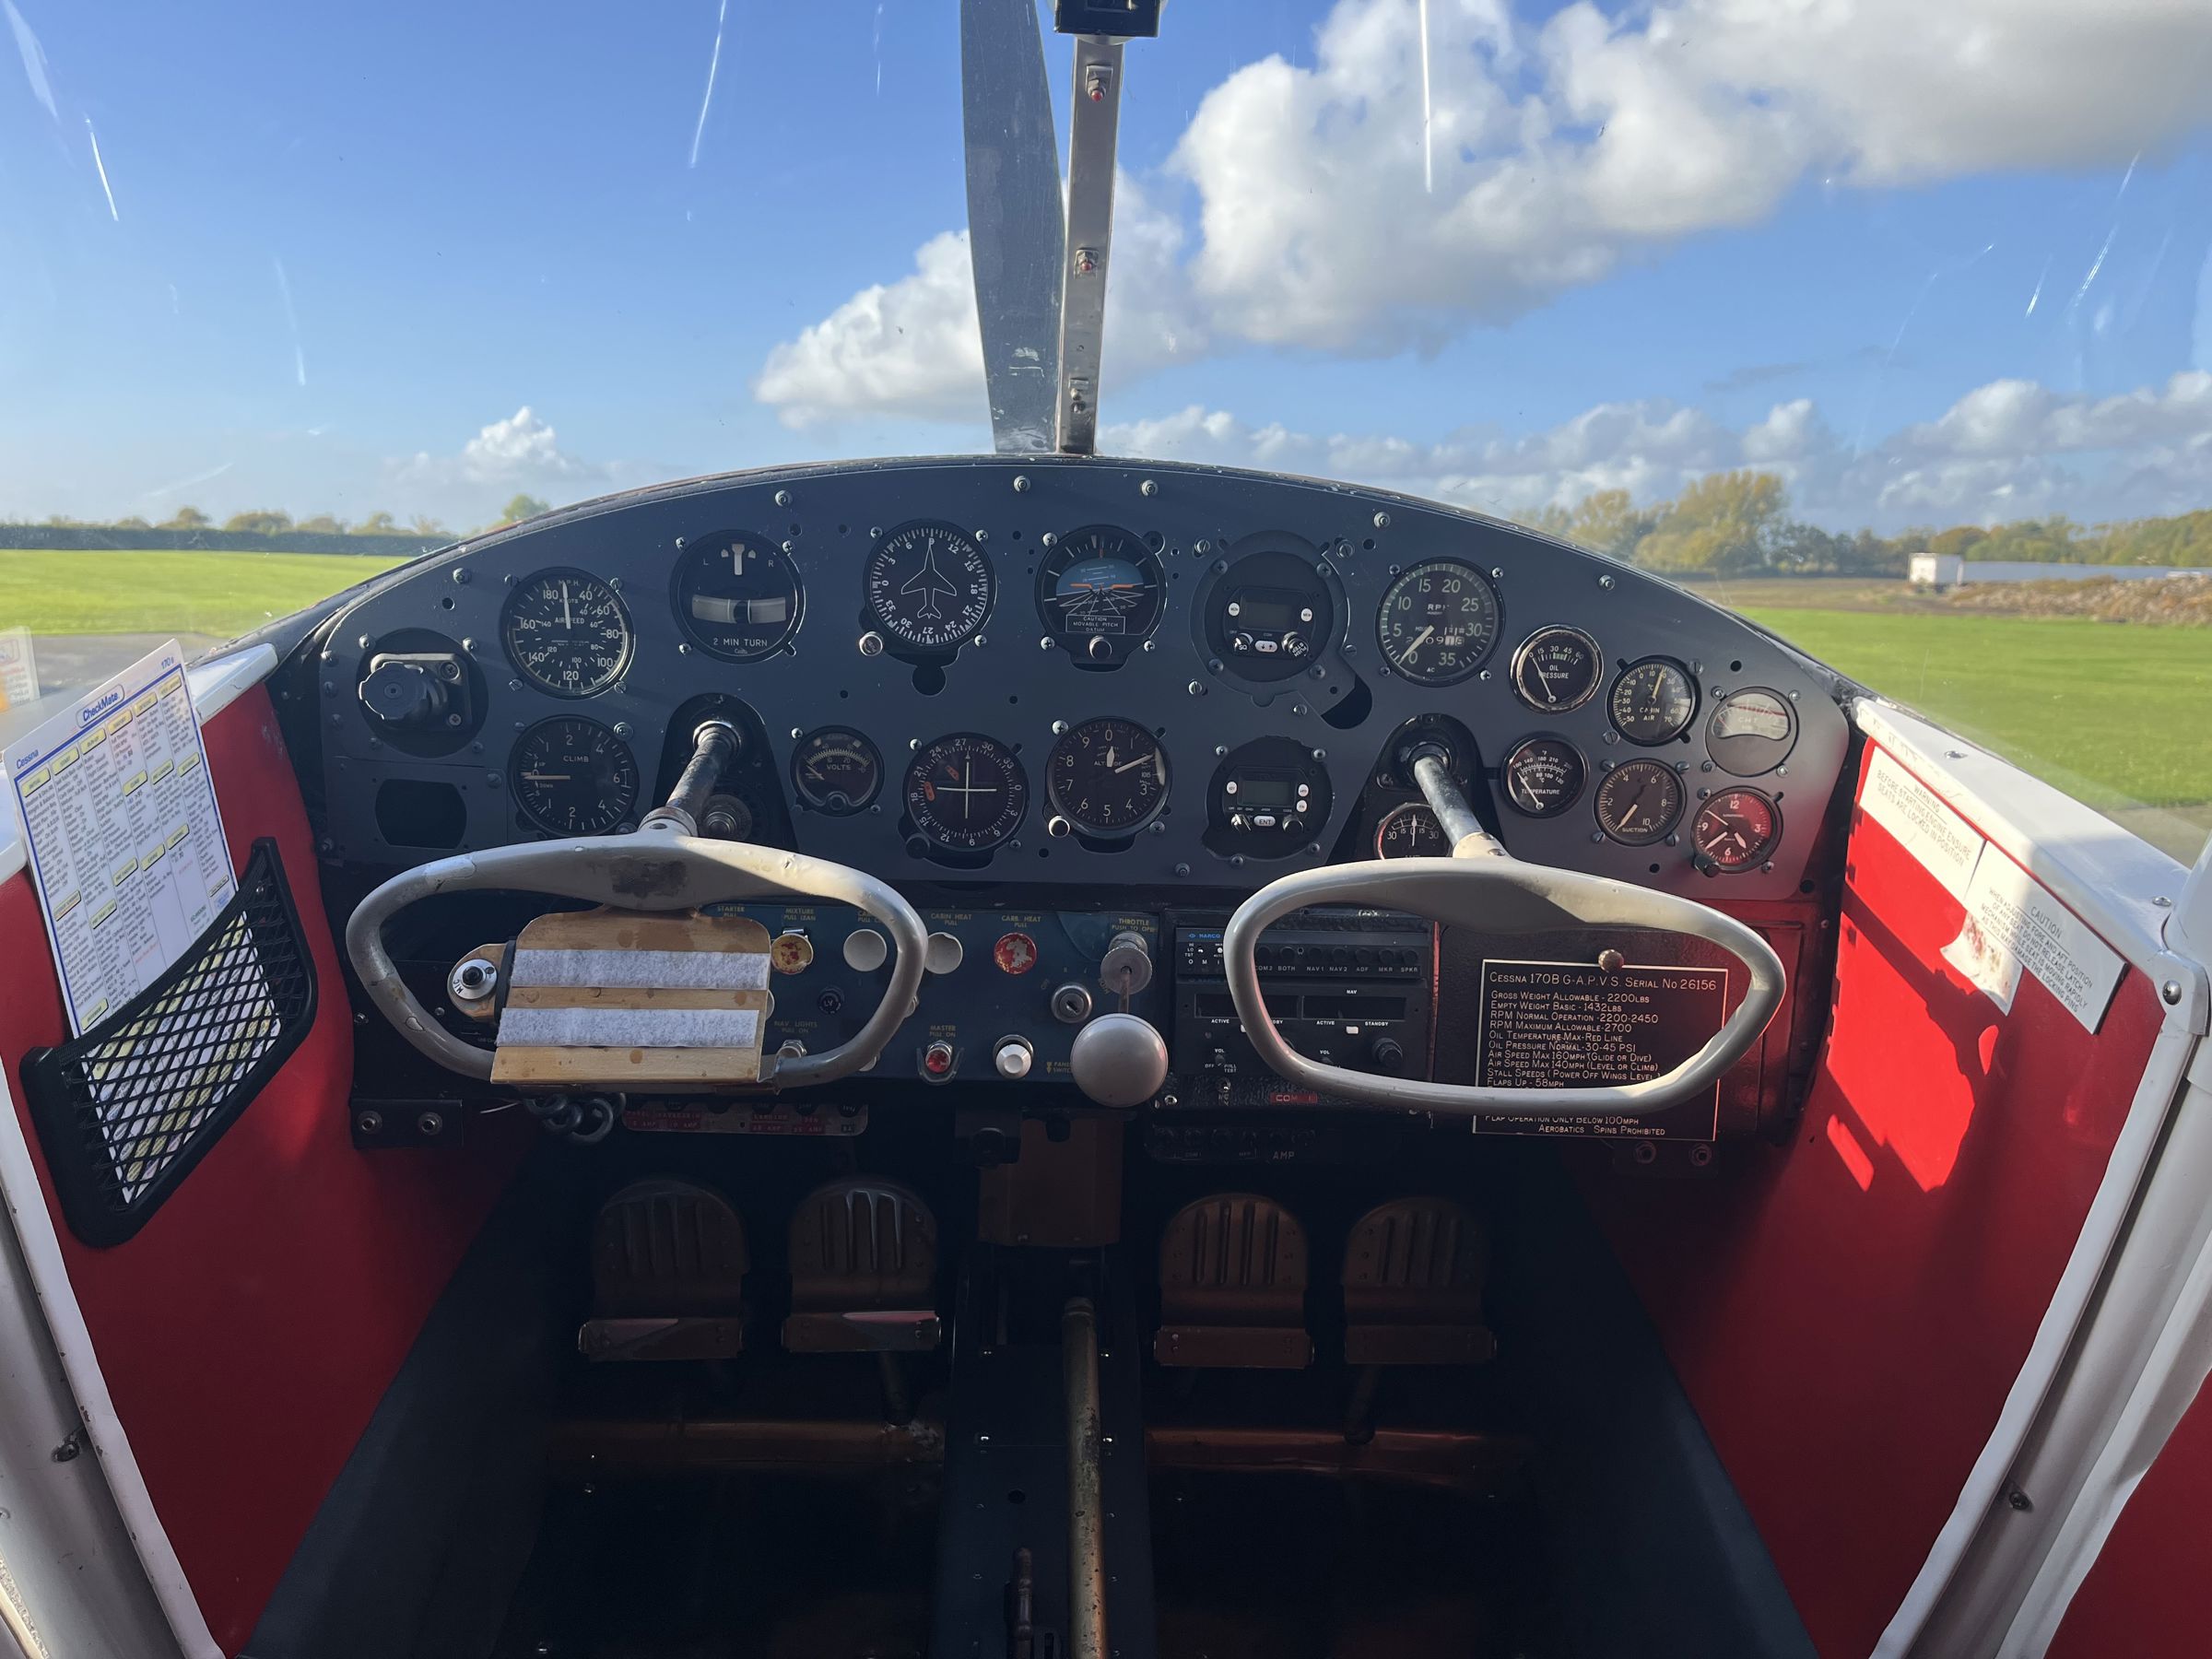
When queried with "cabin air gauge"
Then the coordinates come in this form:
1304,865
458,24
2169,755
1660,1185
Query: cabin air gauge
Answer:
1106,777
1735,830
1751,731
1099,593
1640,801
1411,831
1653,701
929,586
966,793
1557,668
737,597
836,770
572,776
566,632
1438,622
1543,776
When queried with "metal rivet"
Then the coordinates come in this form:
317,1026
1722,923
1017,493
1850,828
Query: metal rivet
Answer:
1021,484
1196,689
1382,521
1605,582
2163,903
1147,489
783,497
2171,992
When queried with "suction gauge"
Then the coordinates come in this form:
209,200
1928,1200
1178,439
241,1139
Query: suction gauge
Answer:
1640,801
1544,776
1557,669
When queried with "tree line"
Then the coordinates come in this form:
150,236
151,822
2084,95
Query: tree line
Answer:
275,522
1739,523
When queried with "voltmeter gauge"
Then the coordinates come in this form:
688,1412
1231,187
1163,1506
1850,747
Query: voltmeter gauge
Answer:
1640,801
1411,831
836,770
1544,776
1438,622
1751,731
1653,701
1557,668
1736,830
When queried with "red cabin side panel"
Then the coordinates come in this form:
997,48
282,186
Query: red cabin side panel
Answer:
247,1332
1849,1312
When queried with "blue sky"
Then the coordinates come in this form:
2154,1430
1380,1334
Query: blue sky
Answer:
338,251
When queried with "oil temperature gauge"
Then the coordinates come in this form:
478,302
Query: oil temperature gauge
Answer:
1736,830
1411,831
1544,776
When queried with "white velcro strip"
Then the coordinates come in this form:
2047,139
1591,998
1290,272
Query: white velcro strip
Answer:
630,1028
640,969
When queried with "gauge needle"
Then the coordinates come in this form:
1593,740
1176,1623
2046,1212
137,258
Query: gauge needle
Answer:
1130,766
567,620
1418,640
549,777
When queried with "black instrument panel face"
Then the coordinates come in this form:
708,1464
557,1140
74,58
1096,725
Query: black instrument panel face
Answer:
1085,673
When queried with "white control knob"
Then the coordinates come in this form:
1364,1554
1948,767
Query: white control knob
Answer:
1119,1060
1014,1057
944,953
866,950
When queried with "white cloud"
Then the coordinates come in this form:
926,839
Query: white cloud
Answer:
1330,216
2011,449
521,449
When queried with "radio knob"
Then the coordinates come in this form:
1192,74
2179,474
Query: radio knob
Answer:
1387,1055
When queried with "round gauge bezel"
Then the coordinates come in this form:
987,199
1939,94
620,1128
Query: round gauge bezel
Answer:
1614,832
1415,812
807,797
1066,743
1016,776
512,602
1620,679
1512,756
1412,572
1066,552
694,549
1723,750
1760,855
598,825
1272,759
881,620
1522,652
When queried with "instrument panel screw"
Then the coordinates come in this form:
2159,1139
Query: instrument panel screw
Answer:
1496,572
1196,689
430,1124
790,546
1158,828
1051,538
1382,521
981,641
1148,644
1021,484
460,577
1220,750
1605,582
1320,754
1484,675
2171,992
369,1122
1045,643
1202,545
783,497
1059,727
914,743
1147,489
2019,1499
621,728
2163,903
1183,869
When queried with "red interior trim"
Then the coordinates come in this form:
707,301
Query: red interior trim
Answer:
249,1331
1849,1312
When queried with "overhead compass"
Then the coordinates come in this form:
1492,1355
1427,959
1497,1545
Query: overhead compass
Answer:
1099,593
929,586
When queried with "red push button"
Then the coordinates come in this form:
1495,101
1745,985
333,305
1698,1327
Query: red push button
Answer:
936,1059
1015,953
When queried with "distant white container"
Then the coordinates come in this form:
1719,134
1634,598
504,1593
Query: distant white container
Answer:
1951,570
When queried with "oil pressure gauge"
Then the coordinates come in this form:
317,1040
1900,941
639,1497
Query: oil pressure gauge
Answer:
1557,668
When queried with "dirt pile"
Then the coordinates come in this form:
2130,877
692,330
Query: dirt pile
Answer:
2175,602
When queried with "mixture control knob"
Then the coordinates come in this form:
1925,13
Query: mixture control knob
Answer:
1127,967
1013,1058
400,691
1387,1055
866,950
1119,1060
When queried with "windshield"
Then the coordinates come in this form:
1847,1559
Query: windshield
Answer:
1889,325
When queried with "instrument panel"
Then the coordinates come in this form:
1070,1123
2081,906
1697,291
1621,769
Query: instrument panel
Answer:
1071,673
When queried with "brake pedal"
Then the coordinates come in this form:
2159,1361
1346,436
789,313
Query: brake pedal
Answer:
669,1267
1232,1287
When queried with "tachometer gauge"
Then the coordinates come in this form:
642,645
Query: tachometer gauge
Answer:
737,596
566,632
1438,622
929,586
1751,731
966,793
836,770
1099,592
572,776
1106,777
1736,830
1544,776
1640,801
1557,668
1653,701
1411,831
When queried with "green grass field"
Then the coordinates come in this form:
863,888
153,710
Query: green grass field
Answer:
2116,715
224,595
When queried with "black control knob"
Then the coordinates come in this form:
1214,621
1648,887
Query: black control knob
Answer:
1387,1055
404,691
